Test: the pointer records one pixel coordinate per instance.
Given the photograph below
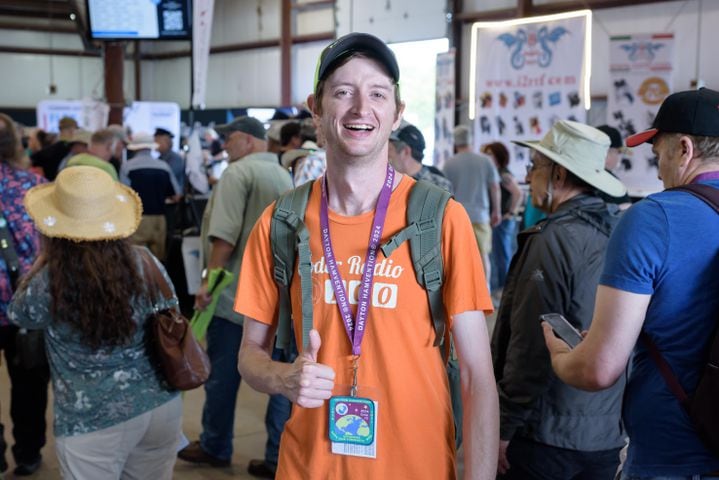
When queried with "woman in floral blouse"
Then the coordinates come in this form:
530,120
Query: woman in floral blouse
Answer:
114,418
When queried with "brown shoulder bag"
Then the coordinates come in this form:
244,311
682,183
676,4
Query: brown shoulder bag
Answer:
180,358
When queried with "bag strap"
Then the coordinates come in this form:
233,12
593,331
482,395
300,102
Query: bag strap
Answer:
7,248
287,234
153,277
425,212
667,373
707,193
710,195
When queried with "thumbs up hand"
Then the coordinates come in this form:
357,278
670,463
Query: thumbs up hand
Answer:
308,383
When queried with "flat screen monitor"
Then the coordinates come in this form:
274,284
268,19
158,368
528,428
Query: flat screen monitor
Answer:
140,19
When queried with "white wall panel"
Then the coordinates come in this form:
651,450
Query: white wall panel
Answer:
403,21
304,63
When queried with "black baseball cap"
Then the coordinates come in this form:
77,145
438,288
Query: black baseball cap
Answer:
410,135
365,43
162,131
248,125
693,112
615,138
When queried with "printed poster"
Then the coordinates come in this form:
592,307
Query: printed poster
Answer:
444,109
640,79
528,75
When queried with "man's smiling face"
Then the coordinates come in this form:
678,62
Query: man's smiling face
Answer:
358,110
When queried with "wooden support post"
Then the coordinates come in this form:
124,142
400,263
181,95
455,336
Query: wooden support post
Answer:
114,70
286,52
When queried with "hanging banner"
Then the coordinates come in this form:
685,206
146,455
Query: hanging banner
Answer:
525,75
444,108
640,69
201,33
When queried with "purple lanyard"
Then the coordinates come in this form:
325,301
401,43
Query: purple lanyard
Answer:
706,176
356,327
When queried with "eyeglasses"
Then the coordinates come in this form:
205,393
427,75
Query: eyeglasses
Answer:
531,166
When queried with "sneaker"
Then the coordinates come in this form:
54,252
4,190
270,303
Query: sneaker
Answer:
195,454
261,469
26,469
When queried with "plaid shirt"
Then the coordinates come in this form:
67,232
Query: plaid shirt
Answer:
14,183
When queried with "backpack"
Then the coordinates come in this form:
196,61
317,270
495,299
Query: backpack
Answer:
701,406
290,239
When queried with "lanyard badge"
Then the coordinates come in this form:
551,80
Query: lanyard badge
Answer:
352,419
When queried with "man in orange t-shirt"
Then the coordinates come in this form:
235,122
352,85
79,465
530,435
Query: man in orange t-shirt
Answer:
370,324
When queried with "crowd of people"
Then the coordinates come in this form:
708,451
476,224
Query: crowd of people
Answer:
372,340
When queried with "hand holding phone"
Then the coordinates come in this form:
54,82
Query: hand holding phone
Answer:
562,328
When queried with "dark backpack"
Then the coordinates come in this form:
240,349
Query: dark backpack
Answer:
290,239
702,405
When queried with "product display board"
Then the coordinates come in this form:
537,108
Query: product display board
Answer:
90,114
641,78
147,116
444,109
527,74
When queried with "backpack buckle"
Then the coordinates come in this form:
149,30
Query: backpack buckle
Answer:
425,225
432,279
280,275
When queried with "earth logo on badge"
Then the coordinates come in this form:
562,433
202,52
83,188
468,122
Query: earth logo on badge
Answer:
341,409
353,425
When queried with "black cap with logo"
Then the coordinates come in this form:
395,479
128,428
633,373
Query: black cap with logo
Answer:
356,42
693,112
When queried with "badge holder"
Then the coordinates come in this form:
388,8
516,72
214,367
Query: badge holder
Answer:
353,422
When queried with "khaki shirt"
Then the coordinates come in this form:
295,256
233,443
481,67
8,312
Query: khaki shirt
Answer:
246,188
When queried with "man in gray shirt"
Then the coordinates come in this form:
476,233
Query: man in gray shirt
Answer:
250,183
476,187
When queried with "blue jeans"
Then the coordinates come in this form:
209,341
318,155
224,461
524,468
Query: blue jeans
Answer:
531,460
278,409
504,240
218,414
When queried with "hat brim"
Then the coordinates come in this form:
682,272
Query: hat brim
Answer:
120,222
291,155
142,146
641,137
599,179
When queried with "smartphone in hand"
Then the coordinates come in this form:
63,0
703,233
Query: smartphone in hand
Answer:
562,328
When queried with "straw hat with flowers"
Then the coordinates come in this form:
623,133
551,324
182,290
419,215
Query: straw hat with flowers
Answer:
84,204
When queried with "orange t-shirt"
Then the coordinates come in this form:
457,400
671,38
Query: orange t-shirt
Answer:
399,368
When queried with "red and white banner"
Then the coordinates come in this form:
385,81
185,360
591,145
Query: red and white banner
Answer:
526,75
201,36
641,69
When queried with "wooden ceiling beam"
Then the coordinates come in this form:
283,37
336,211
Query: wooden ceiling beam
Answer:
546,9
244,46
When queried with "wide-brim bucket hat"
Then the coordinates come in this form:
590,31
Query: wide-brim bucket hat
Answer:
84,204
582,150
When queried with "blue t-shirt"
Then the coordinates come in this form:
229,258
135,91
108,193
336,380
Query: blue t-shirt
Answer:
667,246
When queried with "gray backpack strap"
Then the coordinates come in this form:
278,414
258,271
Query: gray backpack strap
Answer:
425,212
289,235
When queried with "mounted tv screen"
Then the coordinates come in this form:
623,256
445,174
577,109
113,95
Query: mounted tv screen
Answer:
140,19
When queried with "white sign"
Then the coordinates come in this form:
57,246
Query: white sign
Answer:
444,108
641,72
90,114
147,116
527,74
